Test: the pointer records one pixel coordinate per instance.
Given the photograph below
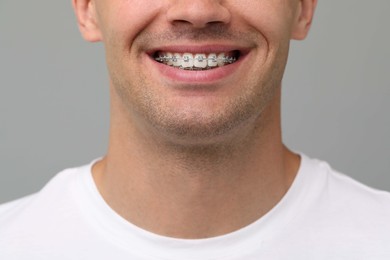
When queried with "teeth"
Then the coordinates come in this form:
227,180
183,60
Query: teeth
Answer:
197,61
176,60
200,61
169,61
212,60
187,61
221,60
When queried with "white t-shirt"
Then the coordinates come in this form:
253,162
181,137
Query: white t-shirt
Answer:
324,215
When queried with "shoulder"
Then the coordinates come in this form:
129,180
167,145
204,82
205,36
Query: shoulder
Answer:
46,220
37,208
11,208
342,206
332,210
346,190
340,184
34,222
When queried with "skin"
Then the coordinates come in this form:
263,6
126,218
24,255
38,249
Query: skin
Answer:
195,159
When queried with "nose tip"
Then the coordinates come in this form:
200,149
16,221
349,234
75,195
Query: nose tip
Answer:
198,13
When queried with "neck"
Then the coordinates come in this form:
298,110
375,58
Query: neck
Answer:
189,191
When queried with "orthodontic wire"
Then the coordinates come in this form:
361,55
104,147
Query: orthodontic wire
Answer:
200,59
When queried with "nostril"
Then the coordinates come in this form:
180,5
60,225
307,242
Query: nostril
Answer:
214,23
182,22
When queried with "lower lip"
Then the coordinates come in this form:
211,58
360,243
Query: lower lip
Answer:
197,77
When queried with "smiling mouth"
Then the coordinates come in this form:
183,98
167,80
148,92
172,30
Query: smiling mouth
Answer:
197,61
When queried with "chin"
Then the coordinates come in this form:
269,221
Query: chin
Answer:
199,129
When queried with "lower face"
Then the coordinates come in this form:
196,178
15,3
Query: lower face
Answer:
193,83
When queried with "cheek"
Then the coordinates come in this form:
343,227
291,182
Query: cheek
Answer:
272,19
121,22
127,18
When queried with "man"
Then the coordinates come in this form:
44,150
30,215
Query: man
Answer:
196,168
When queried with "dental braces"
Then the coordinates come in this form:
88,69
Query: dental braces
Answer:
227,60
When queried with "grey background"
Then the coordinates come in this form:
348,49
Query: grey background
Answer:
54,93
